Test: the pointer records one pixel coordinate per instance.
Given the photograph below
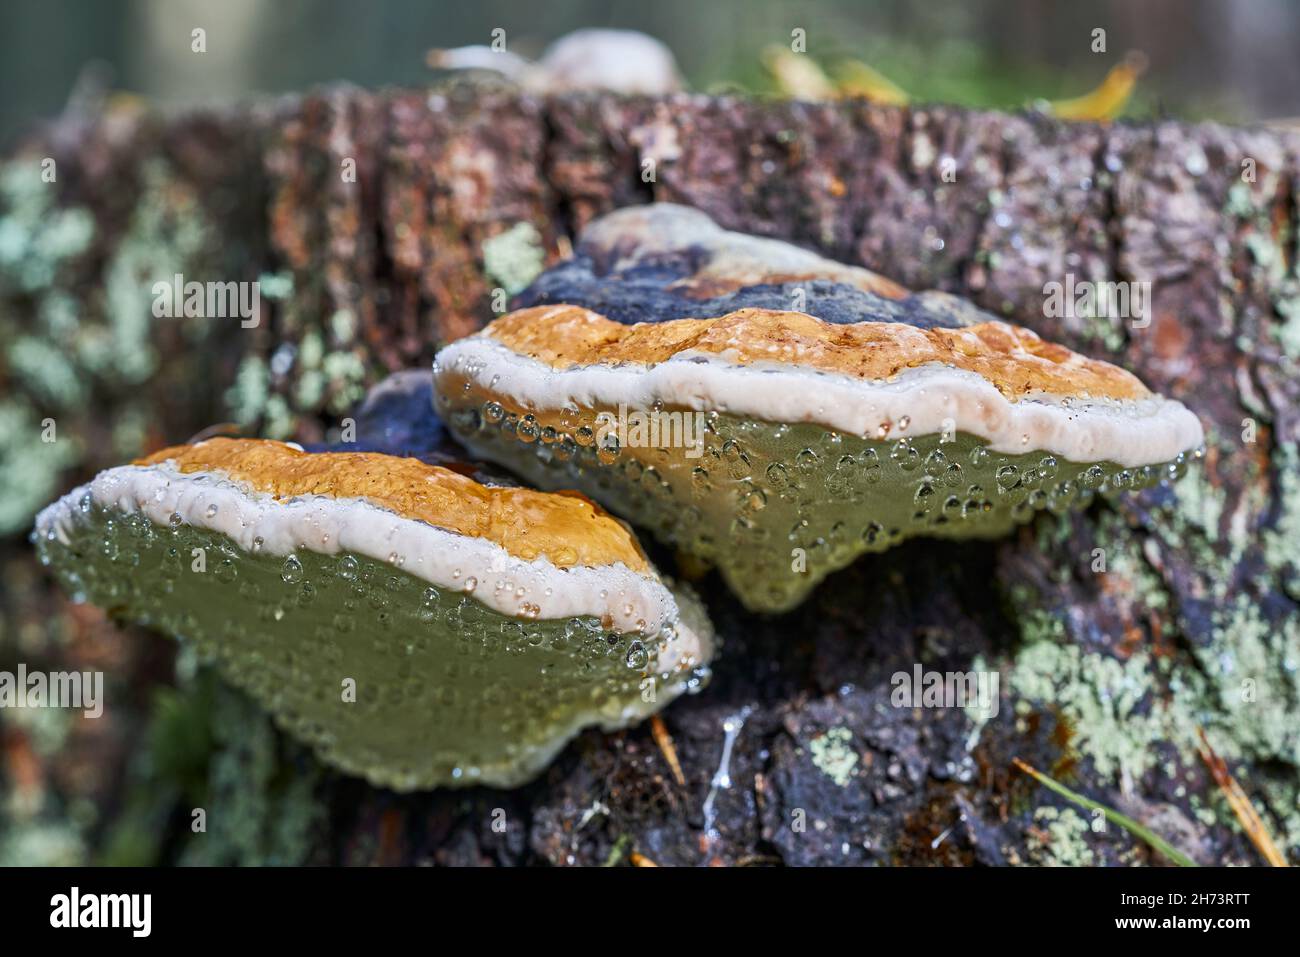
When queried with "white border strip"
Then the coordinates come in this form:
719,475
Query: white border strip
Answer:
329,526
1130,433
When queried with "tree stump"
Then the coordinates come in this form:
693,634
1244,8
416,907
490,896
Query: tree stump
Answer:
379,226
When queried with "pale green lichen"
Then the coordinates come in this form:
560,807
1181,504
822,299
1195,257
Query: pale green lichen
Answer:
37,240
1254,667
1200,504
276,286
46,729
39,244
1126,714
42,845
247,397
343,326
1288,332
167,235
279,421
833,755
980,713
57,315
347,376
1268,248
45,372
1246,691
1240,204
1061,838
311,389
514,258
311,351
1107,701
312,381
316,368
1282,796
131,431
1282,541
212,753
257,813
1128,565
30,835
30,466
1104,329
80,336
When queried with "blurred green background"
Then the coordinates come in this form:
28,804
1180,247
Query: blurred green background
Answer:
1208,58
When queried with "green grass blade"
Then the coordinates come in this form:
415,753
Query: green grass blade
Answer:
1127,823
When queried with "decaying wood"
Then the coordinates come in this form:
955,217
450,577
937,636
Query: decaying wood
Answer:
1106,674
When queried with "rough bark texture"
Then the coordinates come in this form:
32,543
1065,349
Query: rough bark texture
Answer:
1105,675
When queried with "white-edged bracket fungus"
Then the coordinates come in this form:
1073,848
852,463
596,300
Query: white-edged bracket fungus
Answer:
665,372
413,626
617,61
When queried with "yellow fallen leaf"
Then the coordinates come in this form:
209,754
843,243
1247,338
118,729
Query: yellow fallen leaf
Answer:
1109,98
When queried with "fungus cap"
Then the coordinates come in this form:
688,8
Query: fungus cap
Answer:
616,61
481,627
664,261
781,444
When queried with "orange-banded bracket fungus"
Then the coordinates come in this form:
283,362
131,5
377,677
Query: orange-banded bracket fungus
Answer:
779,414
414,626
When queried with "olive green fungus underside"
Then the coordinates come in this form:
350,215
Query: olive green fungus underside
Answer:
383,675
777,507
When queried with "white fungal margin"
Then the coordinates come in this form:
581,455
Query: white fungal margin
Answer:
503,582
919,401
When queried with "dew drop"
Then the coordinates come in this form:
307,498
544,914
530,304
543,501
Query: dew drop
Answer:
637,657
291,570
806,461
905,456
1008,477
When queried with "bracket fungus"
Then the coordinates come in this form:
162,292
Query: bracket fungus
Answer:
779,414
620,61
414,626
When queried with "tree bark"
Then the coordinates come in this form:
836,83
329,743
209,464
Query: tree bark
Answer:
1189,618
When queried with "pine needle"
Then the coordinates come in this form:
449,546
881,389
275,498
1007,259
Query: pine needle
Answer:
1240,803
669,750
1121,820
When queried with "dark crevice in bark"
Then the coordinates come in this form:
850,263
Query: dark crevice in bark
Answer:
385,269
558,202
1112,220
968,264
1291,220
